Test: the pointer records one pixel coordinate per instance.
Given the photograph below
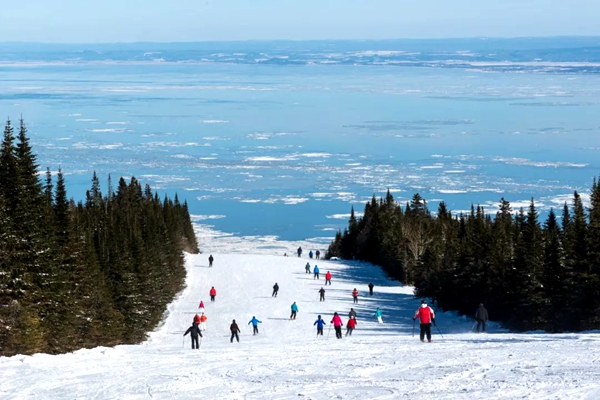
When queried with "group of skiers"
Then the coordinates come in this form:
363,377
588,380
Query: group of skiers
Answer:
424,313
317,253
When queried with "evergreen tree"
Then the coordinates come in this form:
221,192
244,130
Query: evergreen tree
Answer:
555,277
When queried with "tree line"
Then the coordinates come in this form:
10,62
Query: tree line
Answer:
88,273
530,275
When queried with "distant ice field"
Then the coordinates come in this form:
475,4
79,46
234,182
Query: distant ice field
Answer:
279,149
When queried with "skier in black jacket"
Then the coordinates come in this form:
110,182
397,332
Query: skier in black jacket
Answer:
481,315
194,332
275,290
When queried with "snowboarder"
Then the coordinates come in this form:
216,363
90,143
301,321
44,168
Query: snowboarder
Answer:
201,306
322,294
316,271
294,311
337,325
317,254
235,330
275,290
307,268
310,254
481,315
355,295
212,293
203,319
328,278
352,313
378,315
371,289
299,251
196,320
426,318
254,323
350,326
210,260
194,332
319,323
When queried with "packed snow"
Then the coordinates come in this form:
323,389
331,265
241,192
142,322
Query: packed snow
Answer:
287,360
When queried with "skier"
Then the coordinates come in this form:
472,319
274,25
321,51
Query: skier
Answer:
328,278
307,268
426,318
212,293
316,271
310,254
481,315
203,319
371,289
201,306
337,325
319,323
322,294
355,295
294,311
317,254
352,313
196,320
254,323
350,326
235,330
299,251
275,290
194,332
210,260
378,315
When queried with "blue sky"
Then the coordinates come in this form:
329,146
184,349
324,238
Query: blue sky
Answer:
199,20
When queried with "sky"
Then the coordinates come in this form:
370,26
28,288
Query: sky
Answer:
287,360
77,21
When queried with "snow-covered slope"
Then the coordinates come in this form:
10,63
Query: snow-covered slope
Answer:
286,360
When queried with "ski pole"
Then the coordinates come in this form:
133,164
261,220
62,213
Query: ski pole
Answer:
328,330
413,328
439,331
183,342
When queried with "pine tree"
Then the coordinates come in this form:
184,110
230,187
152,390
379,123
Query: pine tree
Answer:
555,277
593,248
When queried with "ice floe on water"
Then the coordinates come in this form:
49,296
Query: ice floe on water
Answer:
215,121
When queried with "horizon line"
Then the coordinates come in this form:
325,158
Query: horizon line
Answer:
308,40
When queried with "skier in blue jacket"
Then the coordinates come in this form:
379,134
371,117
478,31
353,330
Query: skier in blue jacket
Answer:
294,311
254,323
316,271
319,323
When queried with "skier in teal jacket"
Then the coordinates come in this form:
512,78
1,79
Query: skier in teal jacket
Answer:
294,311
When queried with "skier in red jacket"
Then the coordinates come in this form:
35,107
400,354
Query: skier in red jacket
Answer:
328,278
355,296
426,318
213,293
350,325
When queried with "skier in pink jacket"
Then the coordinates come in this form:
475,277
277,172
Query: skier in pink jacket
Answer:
337,325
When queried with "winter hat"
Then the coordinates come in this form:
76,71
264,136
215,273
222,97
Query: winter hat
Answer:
480,304
423,302
334,313
319,316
